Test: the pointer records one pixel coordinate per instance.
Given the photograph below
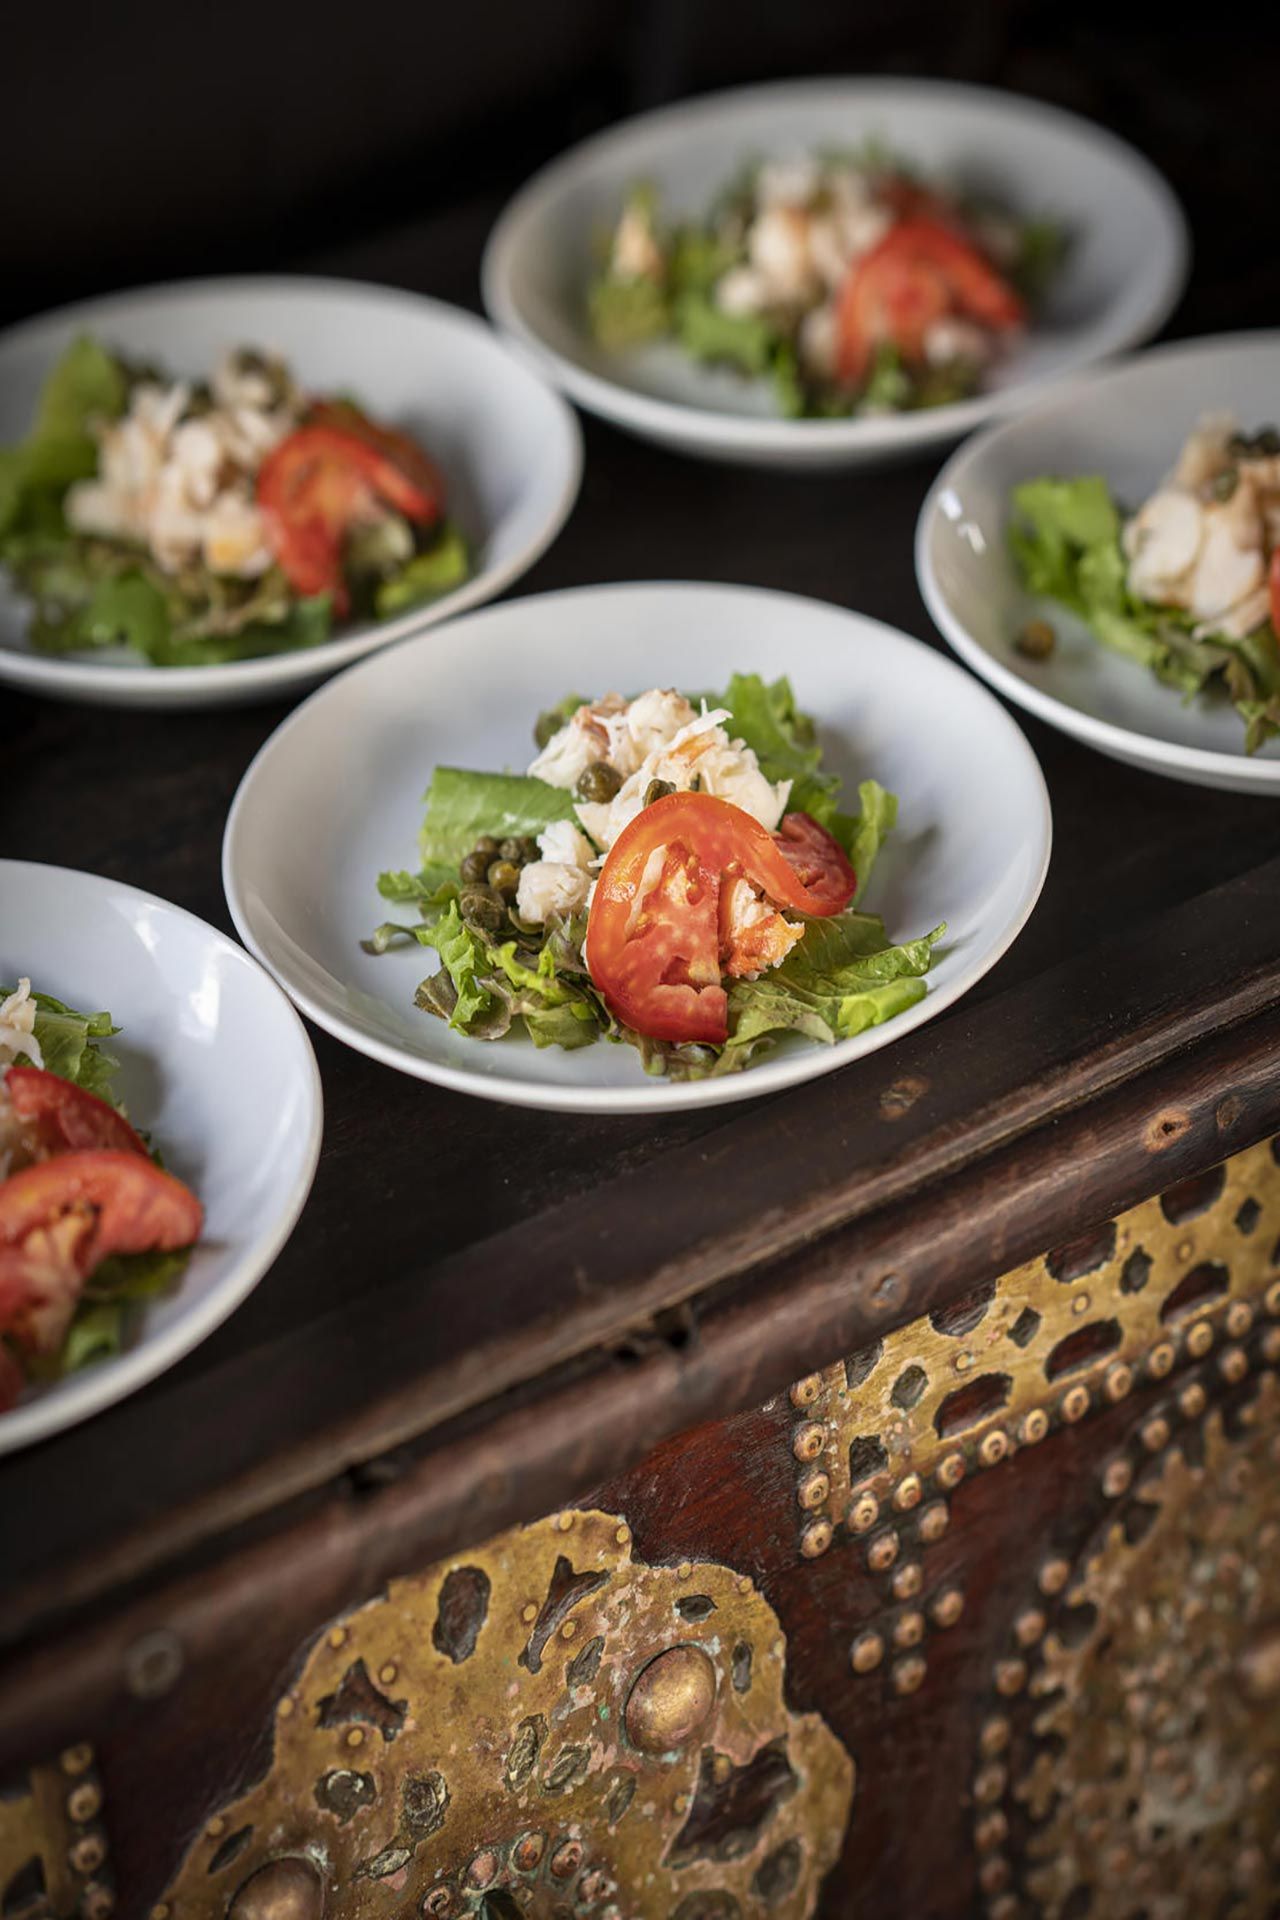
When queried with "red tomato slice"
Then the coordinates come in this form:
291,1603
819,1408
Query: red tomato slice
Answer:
1273,582
819,860
60,1117
652,945
920,272
417,466
60,1218
314,486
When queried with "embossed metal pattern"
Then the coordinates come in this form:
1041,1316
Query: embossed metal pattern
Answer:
1135,1767
545,1726
53,1843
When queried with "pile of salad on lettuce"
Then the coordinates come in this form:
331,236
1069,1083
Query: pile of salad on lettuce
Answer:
674,872
90,1222
206,521
843,279
1188,586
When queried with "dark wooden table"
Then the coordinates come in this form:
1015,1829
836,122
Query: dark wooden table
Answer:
484,1312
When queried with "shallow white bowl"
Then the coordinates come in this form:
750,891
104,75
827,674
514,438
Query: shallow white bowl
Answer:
1123,277
335,796
215,1065
509,448
1126,423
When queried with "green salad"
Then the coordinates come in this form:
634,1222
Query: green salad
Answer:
212,520
91,1224
673,872
1187,586
841,280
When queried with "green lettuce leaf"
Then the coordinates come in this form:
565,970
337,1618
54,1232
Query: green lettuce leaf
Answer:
442,567
462,805
68,1043
86,384
745,341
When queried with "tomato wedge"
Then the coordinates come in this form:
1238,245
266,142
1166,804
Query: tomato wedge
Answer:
920,272
60,1218
317,484
417,467
1273,582
60,1117
652,945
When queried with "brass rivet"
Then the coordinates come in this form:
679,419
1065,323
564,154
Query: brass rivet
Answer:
882,1552
568,1630
528,1851
991,1831
215,1827
566,1860
387,1674
950,1471
528,1612
993,1447
355,1738
1029,1627
1054,1575
807,1442
907,1581
1118,1380
1081,1303
88,1853
743,1583
948,1607
1239,1319
483,1869
814,1489
76,1759
1117,1478
670,1699
866,1653
863,1513
160,1911
908,1629
1154,1433
722,1768
1034,1427
993,1875
934,1520
806,1391
337,1636
564,1522
908,1673
1074,1404
1199,1338
989,1785
1271,1345
1185,1248
438,1903
622,1535
907,1492
1271,1298
1192,1400
97,1901
1160,1359
684,1570
1233,1364
1005,1908
815,1538
962,1362
1011,1676
284,1707
83,1802
995,1735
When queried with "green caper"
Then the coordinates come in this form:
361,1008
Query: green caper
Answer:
547,727
475,869
504,875
512,849
529,850
487,845
482,907
599,782
1036,640
658,790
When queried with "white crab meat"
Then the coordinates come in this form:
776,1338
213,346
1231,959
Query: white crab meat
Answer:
788,183
952,339
700,751
778,248
636,253
1162,542
1205,452
234,536
819,338
18,1027
742,290
562,880
595,732
753,935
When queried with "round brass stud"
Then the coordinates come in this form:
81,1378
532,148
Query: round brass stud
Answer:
1271,1345
77,1759
948,1607
806,1391
1271,1298
807,1441
991,1831
1154,1433
1029,1627
1118,1380
866,1652
529,1612
284,1707
568,1630
1081,1303
84,1801
160,1911
934,1520
438,1903
1005,1908
483,1869
685,1570
566,1860
337,1636
949,1471
989,1785
722,1768
1011,1676
1199,1338
995,1735
97,1901
908,1580
882,1551
994,1874
622,1535
813,1490
907,1492
815,1538
1074,1404
216,1827
908,1674
670,1699
289,1889
1239,1319
993,1447
564,1522
1233,1364
387,1674
1117,1478
908,1629
356,1737
1034,1427
87,1853
864,1511
1054,1575
1192,1401
528,1851
1160,1359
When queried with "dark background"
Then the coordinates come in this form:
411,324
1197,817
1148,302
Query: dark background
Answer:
148,140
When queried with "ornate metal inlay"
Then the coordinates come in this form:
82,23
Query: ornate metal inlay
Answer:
53,1844
543,1727
1133,1763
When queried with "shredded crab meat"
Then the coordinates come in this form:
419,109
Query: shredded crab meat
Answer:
18,1027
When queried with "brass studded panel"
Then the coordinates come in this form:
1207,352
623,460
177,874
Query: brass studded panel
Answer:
544,1726
53,1843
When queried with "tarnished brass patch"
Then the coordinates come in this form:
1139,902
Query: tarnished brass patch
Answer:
53,1843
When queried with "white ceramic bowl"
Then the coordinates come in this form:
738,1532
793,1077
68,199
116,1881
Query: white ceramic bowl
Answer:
509,448
1123,277
215,1065
1126,423
335,796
